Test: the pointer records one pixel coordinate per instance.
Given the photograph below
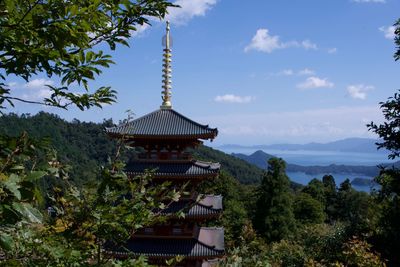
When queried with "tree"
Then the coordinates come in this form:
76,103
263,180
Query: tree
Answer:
389,131
330,196
274,217
307,210
80,221
397,39
388,196
64,39
315,188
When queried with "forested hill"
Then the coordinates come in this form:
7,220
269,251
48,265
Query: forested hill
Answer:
86,147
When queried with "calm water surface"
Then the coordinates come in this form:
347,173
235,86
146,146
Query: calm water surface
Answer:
323,158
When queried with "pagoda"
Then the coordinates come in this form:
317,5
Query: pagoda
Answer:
164,137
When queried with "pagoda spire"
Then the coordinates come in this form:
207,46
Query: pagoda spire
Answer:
166,82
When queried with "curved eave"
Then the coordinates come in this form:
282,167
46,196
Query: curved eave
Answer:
177,176
209,136
214,215
215,254
125,255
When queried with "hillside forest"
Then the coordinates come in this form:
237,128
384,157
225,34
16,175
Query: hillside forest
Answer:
267,219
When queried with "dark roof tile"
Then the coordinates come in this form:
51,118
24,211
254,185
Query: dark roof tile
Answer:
167,169
165,248
163,123
208,205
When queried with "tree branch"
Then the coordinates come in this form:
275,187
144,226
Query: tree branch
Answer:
23,100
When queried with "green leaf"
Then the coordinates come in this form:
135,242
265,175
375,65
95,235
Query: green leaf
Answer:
6,241
28,212
12,185
35,175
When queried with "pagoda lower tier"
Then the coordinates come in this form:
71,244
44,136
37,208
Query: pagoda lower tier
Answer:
205,245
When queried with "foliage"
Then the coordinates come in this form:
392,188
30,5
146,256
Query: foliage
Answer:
274,215
236,198
397,39
358,253
80,222
389,131
251,250
315,188
82,145
244,172
18,193
308,210
64,39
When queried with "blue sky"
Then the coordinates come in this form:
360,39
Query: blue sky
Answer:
260,71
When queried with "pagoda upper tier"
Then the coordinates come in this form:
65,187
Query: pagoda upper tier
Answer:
163,124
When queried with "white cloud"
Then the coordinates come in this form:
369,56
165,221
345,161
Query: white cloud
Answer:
188,10
315,82
291,72
370,1
179,15
140,29
306,72
33,90
332,50
230,98
287,72
359,91
38,84
388,32
317,125
307,44
264,42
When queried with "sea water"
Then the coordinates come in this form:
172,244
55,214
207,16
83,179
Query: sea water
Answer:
324,158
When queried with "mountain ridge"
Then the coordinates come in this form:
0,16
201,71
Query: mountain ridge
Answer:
353,144
260,158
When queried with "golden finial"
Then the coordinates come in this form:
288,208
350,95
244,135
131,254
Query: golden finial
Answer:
166,92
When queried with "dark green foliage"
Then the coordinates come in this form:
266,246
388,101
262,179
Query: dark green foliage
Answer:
389,131
330,196
308,210
355,208
397,39
82,219
84,146
235,199
244,172
388,197
274,215
316,190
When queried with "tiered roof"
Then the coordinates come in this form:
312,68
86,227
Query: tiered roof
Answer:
209,243
207,206
174,169
163,124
